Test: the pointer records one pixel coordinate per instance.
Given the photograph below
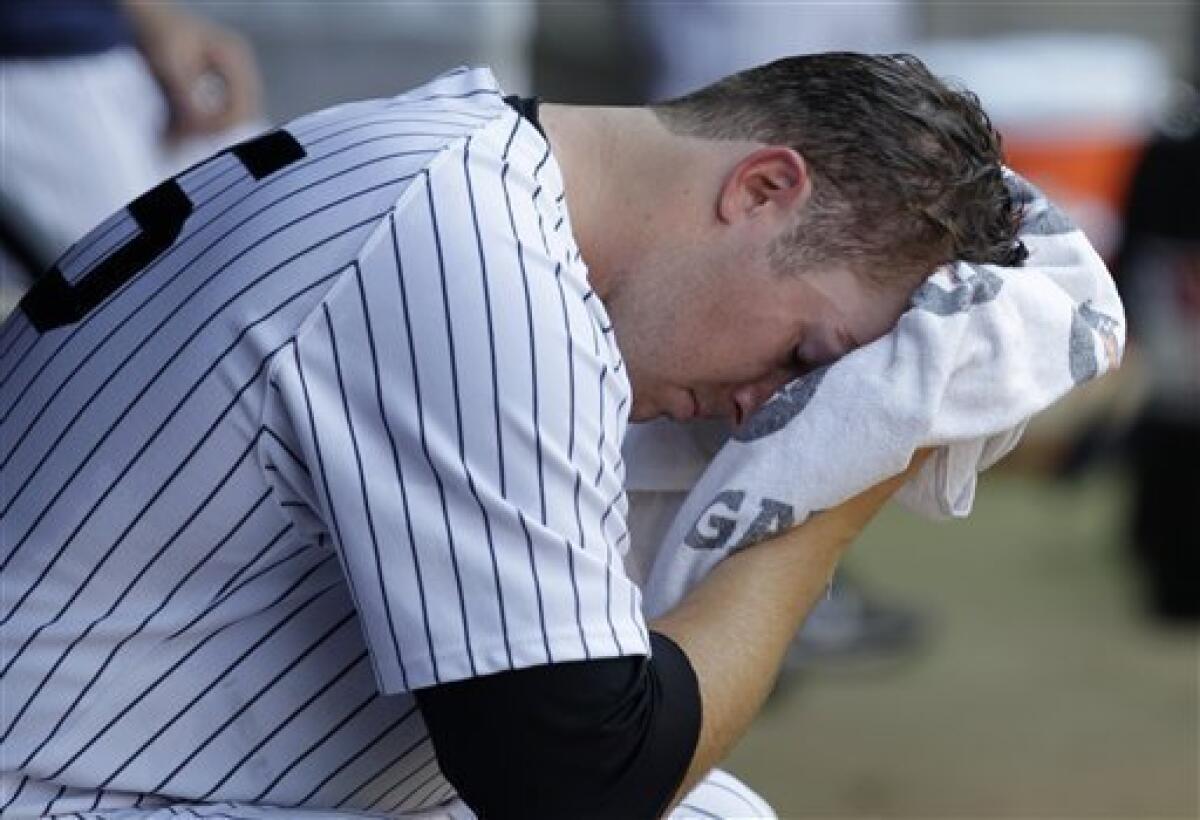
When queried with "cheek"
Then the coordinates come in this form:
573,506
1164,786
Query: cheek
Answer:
681,339
759,340
740,355
650,338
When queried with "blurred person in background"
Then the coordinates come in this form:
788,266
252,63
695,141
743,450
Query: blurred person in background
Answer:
688,47
103,99
1159,273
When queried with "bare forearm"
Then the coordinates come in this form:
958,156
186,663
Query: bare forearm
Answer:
735,629
736,625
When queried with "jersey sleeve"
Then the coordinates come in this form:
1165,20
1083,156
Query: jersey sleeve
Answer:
458,409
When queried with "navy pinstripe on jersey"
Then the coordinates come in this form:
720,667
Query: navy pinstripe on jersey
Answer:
356,430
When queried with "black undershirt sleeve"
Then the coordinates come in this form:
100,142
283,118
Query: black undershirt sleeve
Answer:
606,738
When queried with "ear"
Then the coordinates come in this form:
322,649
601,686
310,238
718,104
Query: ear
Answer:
772,181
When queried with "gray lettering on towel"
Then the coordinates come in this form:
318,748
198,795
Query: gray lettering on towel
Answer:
981,288
785,406
773,518
1048,221
1081,350
718,520
1023,192
715,528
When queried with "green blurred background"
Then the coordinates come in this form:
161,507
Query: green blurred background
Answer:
1042,690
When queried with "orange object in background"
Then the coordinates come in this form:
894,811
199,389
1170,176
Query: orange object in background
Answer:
1088,174
1075,111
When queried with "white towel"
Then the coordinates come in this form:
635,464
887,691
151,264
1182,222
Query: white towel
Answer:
981,349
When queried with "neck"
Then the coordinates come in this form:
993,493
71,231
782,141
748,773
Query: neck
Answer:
611,161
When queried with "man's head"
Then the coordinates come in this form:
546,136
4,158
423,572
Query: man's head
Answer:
783,216
905,169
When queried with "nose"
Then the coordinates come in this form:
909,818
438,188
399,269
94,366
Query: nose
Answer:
753,395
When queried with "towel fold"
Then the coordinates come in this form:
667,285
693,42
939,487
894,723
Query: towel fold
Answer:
981,349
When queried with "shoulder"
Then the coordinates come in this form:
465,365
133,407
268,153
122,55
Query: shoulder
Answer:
431,119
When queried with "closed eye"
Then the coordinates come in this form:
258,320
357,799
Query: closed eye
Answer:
792,366
799,362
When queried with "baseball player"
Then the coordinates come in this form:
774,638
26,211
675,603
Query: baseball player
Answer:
312,493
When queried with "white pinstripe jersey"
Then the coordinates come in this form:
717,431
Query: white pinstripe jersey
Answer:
355,430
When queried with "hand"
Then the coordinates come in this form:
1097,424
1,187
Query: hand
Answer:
207,72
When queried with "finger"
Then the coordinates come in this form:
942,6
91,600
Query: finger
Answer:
208,104
178,75
232,62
